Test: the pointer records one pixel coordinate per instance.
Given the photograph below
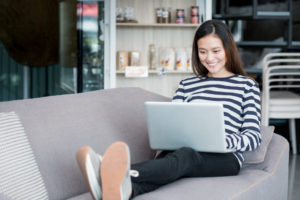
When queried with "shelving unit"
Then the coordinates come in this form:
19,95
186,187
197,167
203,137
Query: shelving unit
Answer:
138,36
279,14
257,14
151,25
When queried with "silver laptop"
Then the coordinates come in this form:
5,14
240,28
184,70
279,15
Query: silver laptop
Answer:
197,125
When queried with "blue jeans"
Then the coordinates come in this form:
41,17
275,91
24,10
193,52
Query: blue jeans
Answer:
170,166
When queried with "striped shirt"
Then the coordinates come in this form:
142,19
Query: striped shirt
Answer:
240,96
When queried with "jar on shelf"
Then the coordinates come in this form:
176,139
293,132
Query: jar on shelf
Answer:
180,20
180,16
194,14
119,15
158,14
129,14
165,15
179,12
169,15
195,19
194,10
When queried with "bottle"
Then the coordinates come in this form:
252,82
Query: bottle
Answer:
158,15
152,56
169,15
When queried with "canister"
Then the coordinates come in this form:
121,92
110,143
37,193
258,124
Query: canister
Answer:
195,10
179,16
179,13
195,19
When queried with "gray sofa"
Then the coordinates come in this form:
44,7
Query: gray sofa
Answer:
58,126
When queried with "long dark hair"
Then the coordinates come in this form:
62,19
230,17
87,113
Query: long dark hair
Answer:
218,28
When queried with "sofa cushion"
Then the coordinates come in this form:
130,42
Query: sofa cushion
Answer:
20,177
84,196
258,155
212,188
58,126
251,183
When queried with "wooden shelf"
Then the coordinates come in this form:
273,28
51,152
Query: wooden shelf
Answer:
295,43
157,71
171,25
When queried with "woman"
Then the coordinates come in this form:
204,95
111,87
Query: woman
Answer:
219,77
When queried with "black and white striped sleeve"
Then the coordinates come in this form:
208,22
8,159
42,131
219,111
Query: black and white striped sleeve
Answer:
250,136
180,94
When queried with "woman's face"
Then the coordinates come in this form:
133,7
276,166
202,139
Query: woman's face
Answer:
212,56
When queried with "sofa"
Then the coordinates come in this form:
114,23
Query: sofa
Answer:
57,126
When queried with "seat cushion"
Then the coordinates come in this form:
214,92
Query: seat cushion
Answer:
84,196
206,187
278,98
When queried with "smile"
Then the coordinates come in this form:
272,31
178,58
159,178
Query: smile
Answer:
212,64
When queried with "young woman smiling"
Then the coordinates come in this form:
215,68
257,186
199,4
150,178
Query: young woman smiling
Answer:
219,77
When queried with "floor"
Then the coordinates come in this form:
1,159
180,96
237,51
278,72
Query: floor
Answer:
282,128
294,177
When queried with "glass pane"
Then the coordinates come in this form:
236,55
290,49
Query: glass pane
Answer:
68,45
91,17
82,45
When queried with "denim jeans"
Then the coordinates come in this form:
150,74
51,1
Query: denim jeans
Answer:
170,166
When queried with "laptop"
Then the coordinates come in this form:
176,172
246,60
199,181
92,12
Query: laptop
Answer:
173,125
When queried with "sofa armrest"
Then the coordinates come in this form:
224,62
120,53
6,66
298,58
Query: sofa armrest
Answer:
275,173
278,150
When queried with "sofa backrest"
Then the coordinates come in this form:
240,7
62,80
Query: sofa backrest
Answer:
58,126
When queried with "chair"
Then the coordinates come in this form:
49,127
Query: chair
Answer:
281,77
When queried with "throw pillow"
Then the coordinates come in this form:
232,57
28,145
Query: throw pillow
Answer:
258,155
20,177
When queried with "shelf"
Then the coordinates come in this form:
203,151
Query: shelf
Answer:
253,70
171,25
267,44
273,15
261,44
232,17
157,71
259,15
296,44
